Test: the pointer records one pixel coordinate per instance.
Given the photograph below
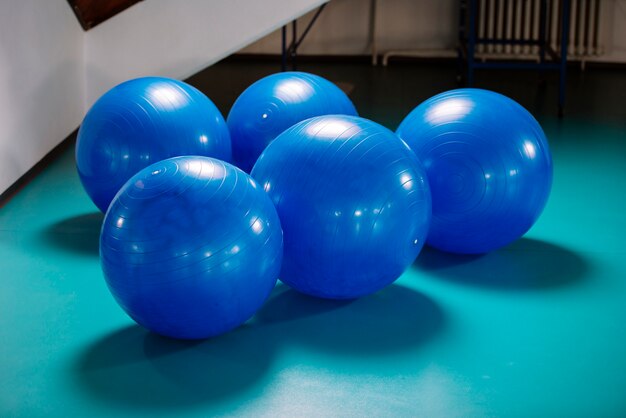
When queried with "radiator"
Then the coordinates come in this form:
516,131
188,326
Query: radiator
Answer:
520,20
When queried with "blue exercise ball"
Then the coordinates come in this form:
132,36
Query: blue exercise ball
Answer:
274,103
353,201
140,122
191,247
488,165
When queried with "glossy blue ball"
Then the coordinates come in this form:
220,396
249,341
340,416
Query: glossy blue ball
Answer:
191,247
274,103
140,122
488,165
353,201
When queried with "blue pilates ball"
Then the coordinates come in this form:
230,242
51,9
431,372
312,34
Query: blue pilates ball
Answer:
191,247
274,103
353,201
488,164
140,122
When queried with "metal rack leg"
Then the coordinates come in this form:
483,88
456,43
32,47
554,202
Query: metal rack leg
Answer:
563,61
372,32
283,61
543,11
462,18
471,44
294,46
292,50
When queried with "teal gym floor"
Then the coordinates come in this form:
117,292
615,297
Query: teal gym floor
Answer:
536,329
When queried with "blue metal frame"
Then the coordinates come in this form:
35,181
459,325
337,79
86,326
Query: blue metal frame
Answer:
469,39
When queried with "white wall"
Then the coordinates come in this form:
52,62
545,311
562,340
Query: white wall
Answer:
51,71
616,46
41,81
178,38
